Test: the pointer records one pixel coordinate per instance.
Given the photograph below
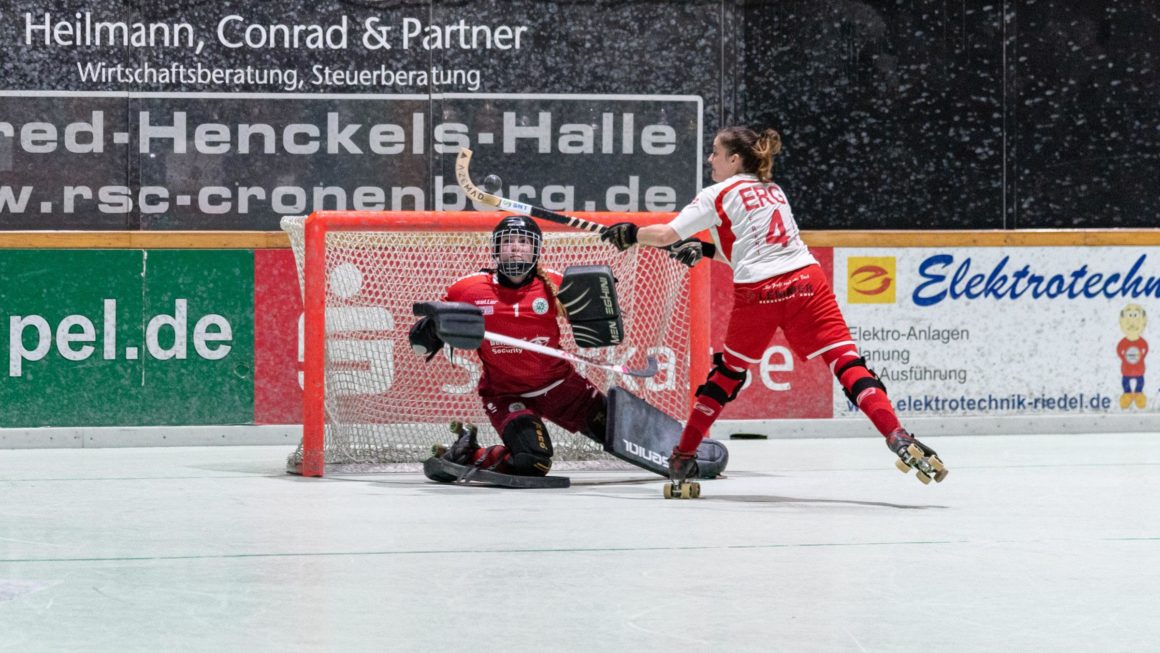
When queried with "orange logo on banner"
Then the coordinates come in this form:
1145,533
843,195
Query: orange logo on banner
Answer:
870,279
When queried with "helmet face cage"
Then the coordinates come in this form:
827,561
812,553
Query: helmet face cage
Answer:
515,233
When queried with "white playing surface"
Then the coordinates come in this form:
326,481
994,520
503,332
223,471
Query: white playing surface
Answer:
1033,543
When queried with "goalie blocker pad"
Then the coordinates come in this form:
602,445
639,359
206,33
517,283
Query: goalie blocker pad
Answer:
458,324
588,293
644,436
445,471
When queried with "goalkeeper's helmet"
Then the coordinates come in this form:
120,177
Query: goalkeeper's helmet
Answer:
515,245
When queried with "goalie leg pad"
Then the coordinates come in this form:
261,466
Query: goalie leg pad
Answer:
712,458
588,294
598,424
528,445
644,436
458,324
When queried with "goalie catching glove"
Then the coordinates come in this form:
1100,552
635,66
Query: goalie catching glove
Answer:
456,323
424,340
588,295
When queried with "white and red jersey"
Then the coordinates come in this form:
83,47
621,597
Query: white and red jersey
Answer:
527,313
752,225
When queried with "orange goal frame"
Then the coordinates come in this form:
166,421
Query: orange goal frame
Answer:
319,223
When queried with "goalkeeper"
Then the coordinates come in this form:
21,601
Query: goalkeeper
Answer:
519,388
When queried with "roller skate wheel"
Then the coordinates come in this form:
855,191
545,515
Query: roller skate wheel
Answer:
915,451
668,490
902,467
940,475
694,490
923,477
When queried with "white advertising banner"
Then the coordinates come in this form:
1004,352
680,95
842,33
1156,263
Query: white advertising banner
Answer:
1000,331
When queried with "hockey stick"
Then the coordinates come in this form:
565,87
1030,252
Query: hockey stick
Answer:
650,368
463,176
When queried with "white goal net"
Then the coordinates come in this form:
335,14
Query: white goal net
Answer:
384,405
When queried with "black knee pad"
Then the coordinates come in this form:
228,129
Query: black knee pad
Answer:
598,423
861,384
711,389
528,444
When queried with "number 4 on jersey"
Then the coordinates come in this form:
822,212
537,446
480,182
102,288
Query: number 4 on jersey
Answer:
777,234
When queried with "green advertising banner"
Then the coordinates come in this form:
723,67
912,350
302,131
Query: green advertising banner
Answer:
126,337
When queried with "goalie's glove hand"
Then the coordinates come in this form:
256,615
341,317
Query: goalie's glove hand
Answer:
621,235
424,340
689,251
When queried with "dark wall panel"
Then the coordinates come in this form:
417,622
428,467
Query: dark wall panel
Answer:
894,114
891,114
1086,124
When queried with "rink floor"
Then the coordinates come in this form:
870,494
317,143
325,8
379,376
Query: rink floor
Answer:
1033,543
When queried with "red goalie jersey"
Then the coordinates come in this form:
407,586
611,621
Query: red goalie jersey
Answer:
528,313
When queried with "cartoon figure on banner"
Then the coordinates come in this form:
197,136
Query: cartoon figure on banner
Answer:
1132,350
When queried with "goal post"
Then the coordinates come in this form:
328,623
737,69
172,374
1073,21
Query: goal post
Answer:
370,403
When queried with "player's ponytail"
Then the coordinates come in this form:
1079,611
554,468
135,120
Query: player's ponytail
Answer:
552,290
756,152
768,146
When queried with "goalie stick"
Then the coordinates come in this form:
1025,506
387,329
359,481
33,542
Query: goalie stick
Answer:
650,368
451,319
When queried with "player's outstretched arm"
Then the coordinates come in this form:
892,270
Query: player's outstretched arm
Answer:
688,252
624,235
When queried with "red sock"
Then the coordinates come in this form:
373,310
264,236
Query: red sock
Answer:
487,457
705,407
873,402
704,413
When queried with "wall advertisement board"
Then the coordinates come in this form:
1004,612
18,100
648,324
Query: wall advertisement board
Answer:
168,161
153,337
126,337
1005,331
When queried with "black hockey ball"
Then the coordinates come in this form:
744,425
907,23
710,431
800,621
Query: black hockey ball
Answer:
492,184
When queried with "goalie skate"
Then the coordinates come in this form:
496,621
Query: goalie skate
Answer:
444,471
913,454
442,467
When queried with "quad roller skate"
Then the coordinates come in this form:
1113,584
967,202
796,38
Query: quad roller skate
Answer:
913,454
681,467
463,449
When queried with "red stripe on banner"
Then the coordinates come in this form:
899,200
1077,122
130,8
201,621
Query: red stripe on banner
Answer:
277,306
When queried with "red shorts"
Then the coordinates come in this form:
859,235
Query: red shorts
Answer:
801,303
569,404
